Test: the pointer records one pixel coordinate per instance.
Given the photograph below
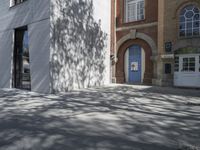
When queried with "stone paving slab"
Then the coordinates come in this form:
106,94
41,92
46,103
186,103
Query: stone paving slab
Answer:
116,117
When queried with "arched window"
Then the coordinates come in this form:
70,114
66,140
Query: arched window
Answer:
189,20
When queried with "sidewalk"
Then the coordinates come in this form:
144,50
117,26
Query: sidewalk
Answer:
119,117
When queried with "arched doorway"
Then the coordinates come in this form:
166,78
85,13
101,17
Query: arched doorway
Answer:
134,64
137,49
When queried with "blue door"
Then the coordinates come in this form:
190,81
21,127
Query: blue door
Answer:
135,67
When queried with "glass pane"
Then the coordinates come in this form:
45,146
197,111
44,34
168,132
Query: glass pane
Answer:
22,79
182,26
142,3
196,32
189,32
196,10
192,69
196,17
183,12
26,64
182,18
182,33
142,17
189,25
135,10
141,11
196,24
192,64
192,59
190,7
185,64
176,64
189,14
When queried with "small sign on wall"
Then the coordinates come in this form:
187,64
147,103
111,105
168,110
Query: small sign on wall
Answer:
134,66
168,47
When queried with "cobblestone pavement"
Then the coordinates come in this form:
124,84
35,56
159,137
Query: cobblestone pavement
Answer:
117,117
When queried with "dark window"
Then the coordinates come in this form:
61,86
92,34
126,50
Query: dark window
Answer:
176,64
168,68
21,68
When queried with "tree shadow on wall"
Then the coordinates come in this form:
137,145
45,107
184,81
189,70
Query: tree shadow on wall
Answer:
77,46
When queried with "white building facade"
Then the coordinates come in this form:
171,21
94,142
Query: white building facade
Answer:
53,45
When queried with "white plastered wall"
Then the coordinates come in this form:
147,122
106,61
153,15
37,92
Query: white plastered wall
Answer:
39,44
80,44
5,58
35,15
102,11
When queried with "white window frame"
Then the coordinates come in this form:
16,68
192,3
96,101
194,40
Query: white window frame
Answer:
188,63
183,25
15,2
135,11
180,63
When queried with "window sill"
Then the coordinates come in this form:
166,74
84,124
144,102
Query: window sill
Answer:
187,38
136,21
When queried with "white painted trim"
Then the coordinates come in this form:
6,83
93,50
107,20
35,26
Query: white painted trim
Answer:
126,65
138,35
187,79
143,65
12,58
138,26
134,9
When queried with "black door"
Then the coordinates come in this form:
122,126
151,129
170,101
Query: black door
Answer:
21,68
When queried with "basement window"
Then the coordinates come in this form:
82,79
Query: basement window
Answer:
15,2
168,68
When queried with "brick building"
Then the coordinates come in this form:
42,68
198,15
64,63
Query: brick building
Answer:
156,42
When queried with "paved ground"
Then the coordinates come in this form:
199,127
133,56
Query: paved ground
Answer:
109,118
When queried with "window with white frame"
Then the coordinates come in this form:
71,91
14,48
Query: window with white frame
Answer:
134,10
15,2
176,64
189,21
188,64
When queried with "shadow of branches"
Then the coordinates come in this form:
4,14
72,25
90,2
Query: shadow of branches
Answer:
109,118
77,46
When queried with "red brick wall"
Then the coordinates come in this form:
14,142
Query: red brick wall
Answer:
112,26
151,13
151,16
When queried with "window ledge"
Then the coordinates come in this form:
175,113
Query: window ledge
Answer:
136,21
188,38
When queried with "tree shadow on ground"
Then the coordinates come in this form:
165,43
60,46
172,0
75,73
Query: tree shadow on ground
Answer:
109,118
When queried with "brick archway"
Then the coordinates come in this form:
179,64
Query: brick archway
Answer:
120,73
